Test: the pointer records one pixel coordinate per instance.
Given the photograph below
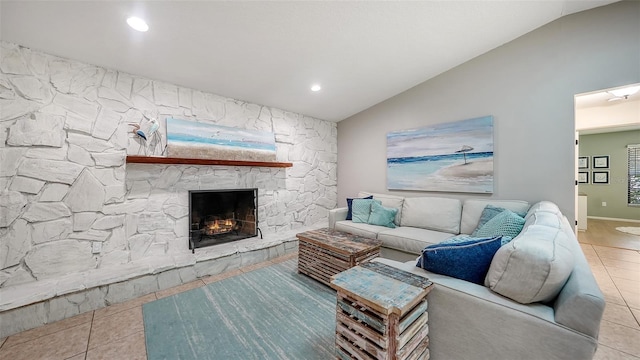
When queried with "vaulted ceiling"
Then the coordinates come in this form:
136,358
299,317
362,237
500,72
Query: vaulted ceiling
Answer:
271,52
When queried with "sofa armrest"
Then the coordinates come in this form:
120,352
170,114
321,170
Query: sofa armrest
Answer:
337,214
580,304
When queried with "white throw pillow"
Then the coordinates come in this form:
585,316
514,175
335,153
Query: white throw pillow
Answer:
533,267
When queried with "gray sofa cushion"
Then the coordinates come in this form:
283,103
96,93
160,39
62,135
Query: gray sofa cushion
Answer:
472,210
410,239
533,267
441,214
361,229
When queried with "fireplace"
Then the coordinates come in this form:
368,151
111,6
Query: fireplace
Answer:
221,216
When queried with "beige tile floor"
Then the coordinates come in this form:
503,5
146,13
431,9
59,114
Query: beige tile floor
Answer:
618,274
117,331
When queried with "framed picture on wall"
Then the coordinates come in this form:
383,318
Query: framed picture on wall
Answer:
451,157
601,162
583,177
583,162
600,177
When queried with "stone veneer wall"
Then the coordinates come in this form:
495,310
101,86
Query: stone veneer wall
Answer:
65,186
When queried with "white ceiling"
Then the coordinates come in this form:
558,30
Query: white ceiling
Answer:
270,52
599,101
603,98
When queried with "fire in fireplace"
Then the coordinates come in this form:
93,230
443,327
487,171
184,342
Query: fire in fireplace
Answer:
213,226
221,216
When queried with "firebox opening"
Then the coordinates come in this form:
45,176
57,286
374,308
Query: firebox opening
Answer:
221,216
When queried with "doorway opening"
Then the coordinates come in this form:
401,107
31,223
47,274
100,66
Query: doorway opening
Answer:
607,122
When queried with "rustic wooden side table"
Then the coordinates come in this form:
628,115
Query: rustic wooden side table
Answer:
324,252
381,313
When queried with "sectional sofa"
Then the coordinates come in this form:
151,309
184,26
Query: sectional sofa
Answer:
539,299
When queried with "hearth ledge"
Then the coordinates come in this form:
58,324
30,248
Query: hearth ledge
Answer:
30,305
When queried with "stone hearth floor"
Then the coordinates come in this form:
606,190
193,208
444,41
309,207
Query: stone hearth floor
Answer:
117,331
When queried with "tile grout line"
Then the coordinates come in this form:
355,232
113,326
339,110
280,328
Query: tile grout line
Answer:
144,335
118,338
606,268
611,278
616,349
615,323
637,318
41,336
86,350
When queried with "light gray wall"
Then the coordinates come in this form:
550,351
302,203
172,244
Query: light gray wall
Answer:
528,85
615,193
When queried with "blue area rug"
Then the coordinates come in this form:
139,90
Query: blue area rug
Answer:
269,313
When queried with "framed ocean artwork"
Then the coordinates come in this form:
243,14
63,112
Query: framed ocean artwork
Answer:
199,140
450,157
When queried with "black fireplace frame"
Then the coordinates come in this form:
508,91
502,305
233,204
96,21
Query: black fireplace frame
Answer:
195,235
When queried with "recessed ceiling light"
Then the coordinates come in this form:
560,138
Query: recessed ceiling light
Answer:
137,24
316,87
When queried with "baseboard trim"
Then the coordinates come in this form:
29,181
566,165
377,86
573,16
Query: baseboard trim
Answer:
612,219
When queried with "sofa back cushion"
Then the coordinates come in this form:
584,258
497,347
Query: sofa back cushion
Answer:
388,201
433,213
472,210
533,267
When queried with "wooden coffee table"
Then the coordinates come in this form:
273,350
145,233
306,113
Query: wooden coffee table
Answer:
381,313
324,252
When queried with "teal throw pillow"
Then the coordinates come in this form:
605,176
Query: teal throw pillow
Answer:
507,223
464,237
489,213
361,208
458,239
381,215
350,206
467,260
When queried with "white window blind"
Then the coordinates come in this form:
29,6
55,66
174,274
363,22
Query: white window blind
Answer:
633,160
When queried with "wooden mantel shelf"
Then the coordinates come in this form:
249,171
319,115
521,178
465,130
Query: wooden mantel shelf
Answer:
172,160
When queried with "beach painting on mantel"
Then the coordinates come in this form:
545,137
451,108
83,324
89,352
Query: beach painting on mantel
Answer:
451,157
200,140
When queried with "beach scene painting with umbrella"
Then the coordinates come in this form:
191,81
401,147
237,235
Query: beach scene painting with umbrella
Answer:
202,140
450,157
